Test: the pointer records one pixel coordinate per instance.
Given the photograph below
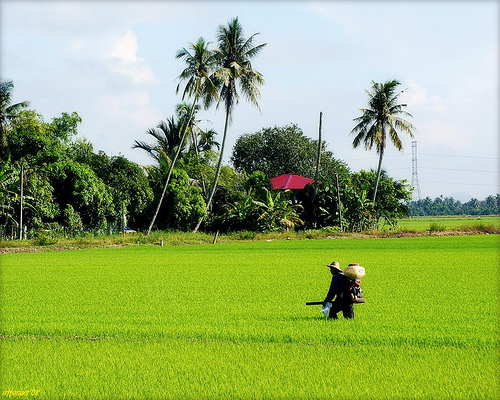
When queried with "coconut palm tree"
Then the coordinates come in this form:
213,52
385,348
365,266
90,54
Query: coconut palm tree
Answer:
380,120
188,123
199,73
8,112
233,56
199,140
167,139
186,115
207,140
200,62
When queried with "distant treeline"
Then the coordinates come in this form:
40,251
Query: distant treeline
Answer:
449,206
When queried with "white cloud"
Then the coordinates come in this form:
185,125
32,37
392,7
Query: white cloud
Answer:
417,97
125,48
123,60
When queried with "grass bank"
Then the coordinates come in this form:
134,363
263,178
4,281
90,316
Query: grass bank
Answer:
405,227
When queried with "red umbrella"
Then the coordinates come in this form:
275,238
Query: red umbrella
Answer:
290,181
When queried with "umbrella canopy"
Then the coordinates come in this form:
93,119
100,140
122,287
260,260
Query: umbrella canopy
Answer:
290,181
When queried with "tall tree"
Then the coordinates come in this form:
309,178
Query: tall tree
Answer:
233,56
8,112
284,150
381,119
167,139
200,62
199,140
206,138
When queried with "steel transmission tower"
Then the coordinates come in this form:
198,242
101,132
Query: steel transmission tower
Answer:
414,174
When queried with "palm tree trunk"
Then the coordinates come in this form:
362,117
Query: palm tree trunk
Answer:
379,171
21,201
171,168
202,178
379,168
217,172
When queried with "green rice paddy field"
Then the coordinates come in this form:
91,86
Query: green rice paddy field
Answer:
229,321
463,223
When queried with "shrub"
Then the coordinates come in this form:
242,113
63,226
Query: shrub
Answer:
243,235
437,227
486,228
44,240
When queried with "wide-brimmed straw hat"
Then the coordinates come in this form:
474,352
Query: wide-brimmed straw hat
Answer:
334,265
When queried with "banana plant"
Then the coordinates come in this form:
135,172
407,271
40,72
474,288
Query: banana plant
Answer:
7,196
277,212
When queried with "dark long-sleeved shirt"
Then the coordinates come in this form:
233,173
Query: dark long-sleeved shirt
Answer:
338,286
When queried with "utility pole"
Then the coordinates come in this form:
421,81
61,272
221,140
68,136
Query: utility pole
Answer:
340,204
319,154
123,218
21,207
316,175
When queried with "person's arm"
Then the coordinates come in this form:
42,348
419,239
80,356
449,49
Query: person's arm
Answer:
333,290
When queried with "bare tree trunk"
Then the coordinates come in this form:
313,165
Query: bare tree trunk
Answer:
123,219
21,207
202,178
379,170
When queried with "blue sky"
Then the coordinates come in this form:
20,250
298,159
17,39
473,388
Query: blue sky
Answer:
114,63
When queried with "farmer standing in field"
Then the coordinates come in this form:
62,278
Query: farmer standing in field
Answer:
340,290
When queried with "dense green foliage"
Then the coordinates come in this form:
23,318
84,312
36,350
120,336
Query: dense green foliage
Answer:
127,184
284,150
449,206
69,186
183,204
65,183
229,321
356,211
77,185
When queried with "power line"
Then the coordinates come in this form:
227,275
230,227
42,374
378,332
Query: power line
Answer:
444,169
376,157
462,183
424,154
463,170
361,159
447,155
